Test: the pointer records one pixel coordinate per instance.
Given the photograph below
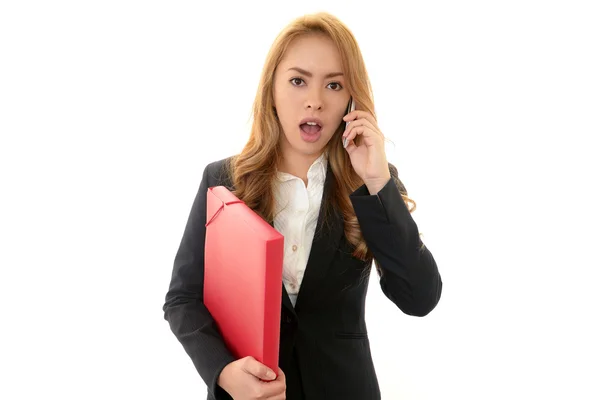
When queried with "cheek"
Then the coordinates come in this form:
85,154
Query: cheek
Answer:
332,133
283,99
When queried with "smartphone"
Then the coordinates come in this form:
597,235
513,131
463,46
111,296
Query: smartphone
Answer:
351,107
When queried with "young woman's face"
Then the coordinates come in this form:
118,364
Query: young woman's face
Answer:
309,85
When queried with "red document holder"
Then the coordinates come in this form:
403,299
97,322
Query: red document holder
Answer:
243,265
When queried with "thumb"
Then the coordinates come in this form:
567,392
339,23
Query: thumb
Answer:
280,375
258,369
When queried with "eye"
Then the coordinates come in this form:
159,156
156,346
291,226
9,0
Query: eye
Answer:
298,82
338,85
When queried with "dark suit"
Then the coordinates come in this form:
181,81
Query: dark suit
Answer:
324,346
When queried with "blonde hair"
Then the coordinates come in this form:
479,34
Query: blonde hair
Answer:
257,162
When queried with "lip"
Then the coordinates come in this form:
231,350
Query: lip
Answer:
312,119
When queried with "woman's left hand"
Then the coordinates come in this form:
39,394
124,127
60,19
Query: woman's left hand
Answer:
368,159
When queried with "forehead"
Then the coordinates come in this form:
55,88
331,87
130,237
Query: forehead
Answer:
315,53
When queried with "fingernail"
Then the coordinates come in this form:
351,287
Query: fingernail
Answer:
271,375
345,142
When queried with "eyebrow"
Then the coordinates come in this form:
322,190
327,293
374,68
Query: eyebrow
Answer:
309,74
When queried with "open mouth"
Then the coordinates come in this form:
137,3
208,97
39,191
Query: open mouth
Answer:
310,128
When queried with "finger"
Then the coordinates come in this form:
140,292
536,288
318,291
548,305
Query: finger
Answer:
274,389
278,397
280,375
357,114
258,369
351,125
357,130
361,122
350,146
268,390
348,136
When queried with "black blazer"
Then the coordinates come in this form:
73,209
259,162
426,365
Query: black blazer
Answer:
324,345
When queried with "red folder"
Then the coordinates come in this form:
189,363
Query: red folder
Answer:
243,267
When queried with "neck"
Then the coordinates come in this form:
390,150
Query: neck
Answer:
297,164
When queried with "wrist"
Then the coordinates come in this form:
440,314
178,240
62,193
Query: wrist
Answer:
375,185
223,379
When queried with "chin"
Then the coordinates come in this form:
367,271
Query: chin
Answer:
310,148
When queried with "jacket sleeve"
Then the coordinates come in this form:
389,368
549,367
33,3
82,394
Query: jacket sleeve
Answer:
188,317
409,273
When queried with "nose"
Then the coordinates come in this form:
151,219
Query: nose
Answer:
314,106
314,100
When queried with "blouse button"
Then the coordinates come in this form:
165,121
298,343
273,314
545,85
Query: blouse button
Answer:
294,248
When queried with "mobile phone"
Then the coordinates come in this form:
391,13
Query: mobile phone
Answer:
351,107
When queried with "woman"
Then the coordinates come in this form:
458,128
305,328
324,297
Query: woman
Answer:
339,204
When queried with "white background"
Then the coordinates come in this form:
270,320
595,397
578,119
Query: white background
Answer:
110,110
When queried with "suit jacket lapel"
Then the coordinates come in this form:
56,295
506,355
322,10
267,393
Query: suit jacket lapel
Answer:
324,246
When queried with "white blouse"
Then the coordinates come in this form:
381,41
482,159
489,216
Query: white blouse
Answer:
296,213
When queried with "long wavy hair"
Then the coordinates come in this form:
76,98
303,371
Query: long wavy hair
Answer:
257,163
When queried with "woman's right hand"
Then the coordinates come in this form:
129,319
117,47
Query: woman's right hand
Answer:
249,379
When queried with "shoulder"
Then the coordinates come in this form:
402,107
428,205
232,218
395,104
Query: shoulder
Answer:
216,173
217,166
